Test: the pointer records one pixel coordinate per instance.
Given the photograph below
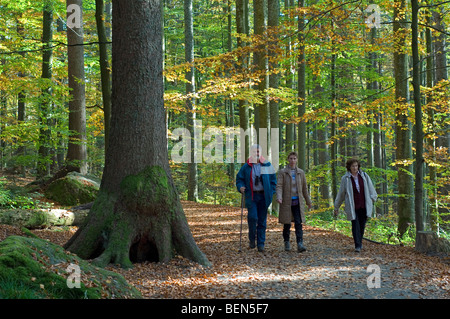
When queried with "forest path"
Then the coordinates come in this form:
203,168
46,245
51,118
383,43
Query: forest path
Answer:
328,269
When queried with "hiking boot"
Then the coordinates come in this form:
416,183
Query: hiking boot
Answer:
252,245
287,246
261,249
300,247
357,249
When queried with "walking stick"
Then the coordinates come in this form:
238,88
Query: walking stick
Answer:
242,216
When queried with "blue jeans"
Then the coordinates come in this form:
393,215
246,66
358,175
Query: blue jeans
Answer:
257,220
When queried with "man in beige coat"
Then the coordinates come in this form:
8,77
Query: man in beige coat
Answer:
292,193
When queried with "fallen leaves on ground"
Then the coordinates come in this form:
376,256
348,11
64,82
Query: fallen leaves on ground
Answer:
328,269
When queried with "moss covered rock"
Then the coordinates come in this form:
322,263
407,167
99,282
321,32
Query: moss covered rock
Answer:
73,189
32,268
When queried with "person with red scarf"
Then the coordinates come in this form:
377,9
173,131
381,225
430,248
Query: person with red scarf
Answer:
257,181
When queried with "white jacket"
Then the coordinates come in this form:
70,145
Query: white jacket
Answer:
346,192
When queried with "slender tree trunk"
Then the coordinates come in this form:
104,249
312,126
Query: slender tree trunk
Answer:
21,151
403,127
433,220
261,65
273,13
229,102
190,101
333,146
242,29
273,22
44,110
137,215
301,87
76,153
441,73
371,86
104,67
289,144
418,191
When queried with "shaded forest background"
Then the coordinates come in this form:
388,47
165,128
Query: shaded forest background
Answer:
333,81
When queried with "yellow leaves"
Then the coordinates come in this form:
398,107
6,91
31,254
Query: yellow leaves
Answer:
403,162
96,123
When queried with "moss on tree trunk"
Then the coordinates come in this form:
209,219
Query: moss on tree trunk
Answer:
143,222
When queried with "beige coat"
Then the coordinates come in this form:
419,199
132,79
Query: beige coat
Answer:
283,191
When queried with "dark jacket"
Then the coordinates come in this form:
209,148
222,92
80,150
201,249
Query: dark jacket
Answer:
269,179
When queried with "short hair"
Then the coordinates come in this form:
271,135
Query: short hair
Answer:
292,153
350,162
257,146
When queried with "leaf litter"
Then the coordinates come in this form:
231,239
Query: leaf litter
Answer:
328,269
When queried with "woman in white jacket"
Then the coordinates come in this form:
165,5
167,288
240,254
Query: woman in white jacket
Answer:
359,194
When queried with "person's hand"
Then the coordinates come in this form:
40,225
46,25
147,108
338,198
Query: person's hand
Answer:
336,212
242,189
279,201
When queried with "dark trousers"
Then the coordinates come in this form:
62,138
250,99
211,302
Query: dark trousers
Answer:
358,226
297,223
257,220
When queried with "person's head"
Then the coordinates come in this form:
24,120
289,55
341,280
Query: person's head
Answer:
352,165
255,152
292,159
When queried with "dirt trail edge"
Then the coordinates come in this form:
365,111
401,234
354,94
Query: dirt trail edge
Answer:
328,269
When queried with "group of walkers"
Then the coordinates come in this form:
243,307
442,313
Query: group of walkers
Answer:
257,181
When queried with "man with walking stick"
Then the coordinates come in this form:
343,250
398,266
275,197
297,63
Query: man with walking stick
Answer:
256,180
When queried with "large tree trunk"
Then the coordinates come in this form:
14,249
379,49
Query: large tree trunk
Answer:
137,215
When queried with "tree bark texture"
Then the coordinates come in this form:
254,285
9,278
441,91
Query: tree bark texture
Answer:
242,28
137,215
104,66
403,129
190,101
44,109
420,162
301,87
261,65
76,152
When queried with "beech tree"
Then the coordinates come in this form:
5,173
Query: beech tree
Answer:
137,215
403,126
301,87
76,153
44,110
104,66
190,91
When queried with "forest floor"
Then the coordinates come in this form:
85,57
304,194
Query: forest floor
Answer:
329,269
